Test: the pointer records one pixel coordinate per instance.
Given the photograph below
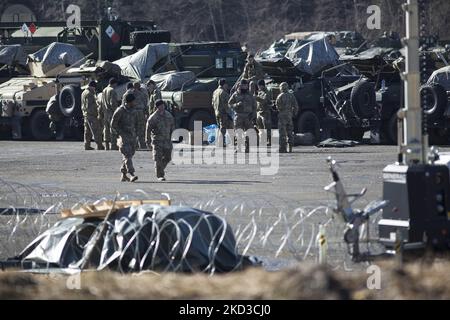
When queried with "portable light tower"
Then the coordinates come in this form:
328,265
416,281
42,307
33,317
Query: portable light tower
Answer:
417,186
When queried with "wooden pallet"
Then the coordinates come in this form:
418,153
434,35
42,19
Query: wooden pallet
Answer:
101,209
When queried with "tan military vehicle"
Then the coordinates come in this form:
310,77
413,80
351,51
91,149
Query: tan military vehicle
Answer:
24,99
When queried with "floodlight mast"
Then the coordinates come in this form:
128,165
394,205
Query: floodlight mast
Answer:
412,147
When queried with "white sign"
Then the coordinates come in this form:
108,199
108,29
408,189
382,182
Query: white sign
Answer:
110,31
25,29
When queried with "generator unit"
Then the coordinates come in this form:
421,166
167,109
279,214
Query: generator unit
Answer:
417,187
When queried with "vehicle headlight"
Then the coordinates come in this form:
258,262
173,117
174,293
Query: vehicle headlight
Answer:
178,98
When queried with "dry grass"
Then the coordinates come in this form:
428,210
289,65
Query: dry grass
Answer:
415,281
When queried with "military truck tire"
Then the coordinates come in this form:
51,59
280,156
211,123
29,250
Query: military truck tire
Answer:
202,115
309,122
438,105
39,125
139,39
363,99
70,101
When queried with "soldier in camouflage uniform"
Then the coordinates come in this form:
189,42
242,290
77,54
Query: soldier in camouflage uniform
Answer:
160,126
154,94
244,106
130,89
264,110
287,107
56,118
109,104
221,109
124,124
253,71
90,113
142,112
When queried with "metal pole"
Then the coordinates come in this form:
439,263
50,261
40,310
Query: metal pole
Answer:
412,145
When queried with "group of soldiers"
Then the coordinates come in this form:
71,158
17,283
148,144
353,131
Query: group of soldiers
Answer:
250,106
140,121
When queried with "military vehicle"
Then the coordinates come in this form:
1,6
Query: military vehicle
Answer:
382,64
24,100
209,61
334,100
105,39
336,103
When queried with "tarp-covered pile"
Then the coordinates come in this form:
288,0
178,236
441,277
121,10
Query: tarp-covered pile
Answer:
13,55
442,77
313,57
140,65
54,58
173,81
144,237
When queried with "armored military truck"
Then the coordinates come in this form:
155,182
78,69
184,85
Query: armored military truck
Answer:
208,61
24,100
105,39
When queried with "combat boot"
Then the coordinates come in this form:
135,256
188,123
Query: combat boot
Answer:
133,178
88,147
100,147
124,178
107,146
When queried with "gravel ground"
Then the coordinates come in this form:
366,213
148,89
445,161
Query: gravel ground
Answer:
42,173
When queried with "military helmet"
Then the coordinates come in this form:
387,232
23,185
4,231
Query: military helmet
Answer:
284,86
129,97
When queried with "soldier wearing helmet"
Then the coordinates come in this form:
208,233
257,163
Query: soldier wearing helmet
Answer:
244,106
287,107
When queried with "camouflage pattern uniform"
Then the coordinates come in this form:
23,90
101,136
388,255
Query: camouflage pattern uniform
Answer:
159,131
56,118
141,111
244,106
220,105
124,123
91,122
153,97
253,71
287,107
264,113
109,104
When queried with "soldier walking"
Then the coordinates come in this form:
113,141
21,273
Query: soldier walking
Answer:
220,104
89,108
264,110
109,104
124,123
244,106
160,126
287,107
